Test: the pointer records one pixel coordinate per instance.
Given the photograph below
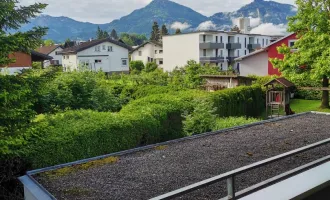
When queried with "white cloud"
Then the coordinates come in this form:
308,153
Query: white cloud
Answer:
270,29
179,25
208,25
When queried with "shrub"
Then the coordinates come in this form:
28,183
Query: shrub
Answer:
137,66
223,123
151,66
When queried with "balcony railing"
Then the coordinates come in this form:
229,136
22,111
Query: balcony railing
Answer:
210,59
254,46
211,45
234,46
231,58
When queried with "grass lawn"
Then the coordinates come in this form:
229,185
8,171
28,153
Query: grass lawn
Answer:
300,105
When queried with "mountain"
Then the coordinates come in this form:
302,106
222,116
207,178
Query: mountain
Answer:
268,11
164,12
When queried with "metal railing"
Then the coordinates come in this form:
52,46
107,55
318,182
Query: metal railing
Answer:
230,176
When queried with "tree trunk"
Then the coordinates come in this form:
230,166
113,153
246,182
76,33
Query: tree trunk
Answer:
325,93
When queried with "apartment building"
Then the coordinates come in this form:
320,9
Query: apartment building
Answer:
149,52
219,48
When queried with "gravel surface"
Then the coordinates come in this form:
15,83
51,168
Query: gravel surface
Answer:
149,173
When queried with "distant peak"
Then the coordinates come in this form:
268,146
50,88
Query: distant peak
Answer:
258,0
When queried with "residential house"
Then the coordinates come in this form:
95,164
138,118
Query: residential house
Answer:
257,63
213,47
24,61
108,55
53,51
149,52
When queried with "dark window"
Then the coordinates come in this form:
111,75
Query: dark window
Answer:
160,51
204,38
160,62
109,48
98,61
124,62
216,64
221,66
204,52
151,60
220,39
245,52
245,42
238,53
216,52
237,39
216,39
155,51
148,59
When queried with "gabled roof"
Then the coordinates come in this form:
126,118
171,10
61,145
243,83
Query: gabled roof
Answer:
283,81
263,49
148,42
47,49
37,56
86,45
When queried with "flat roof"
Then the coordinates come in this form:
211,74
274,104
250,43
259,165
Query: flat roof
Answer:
215,31
157,169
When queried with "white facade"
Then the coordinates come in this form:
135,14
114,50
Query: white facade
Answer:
254,65
57,57
148,52
214,47
105,56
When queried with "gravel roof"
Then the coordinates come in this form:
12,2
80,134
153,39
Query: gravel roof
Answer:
149,173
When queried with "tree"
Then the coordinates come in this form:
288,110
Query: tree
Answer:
49,42
150,67
177,31
133,39
164,30
235,29
312,57
114,34
13,16
155,33
99,33
136,66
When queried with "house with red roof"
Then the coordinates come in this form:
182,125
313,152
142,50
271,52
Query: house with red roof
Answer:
257,62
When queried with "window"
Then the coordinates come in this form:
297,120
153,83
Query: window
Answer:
140,53
216,39
204,38
67,57
151,60
57,52
220,39
266,41
103,47
97,48
238,53
155,51
216,52
216,64
237,39
291,43
98,61
148,59
221,65
245,52
160,62
204,52
245,43
160,51
64,57
263,42
124,62
258,41
109,48
221,53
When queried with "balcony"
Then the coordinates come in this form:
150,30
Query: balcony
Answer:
211,45
254,46
208,59
234,46
231,58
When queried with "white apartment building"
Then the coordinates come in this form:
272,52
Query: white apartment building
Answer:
52,51
149,52
107,55
214,47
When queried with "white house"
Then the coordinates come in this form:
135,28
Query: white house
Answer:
149,52
53,51
106,54
214,47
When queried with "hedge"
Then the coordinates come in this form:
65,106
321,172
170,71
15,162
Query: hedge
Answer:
79,134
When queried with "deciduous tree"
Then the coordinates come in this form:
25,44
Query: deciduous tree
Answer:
312,25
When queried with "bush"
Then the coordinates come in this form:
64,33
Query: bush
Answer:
137,66
151,66
223,123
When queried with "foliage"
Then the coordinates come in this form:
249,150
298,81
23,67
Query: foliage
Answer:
133,39
155,33
151,66
13,17
114,34
312,27
235,29
202,119
101,34
164,30
136,66
49,42
223,123
178,31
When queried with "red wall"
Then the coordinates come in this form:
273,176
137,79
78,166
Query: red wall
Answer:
22,60
272,53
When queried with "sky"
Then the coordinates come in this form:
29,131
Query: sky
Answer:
104,11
